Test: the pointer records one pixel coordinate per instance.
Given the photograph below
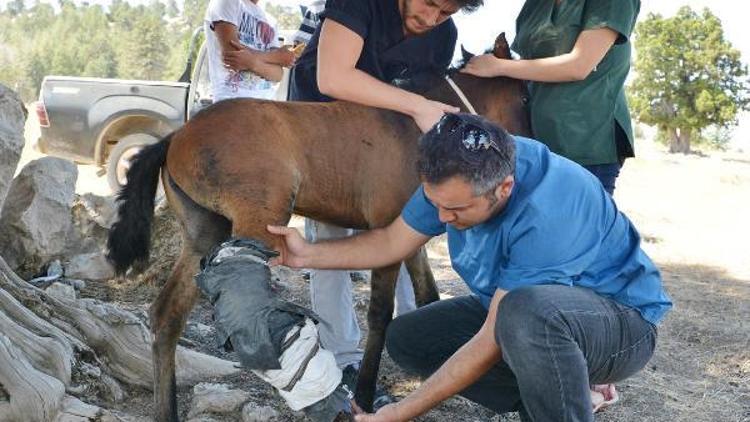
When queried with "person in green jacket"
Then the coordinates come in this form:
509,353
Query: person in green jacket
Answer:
576,56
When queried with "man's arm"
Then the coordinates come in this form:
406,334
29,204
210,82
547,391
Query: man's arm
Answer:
339,50
268,64
371,249
466,366
590,48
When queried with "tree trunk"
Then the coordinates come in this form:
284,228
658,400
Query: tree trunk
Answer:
44,340
679,140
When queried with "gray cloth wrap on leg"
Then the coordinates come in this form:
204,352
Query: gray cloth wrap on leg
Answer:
249,319
257,325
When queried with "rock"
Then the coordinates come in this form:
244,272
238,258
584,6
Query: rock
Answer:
91,370
77,284
203,418
74,410
61,291
12,111
36,222
123,417
90,266
12,119
55,269
92,217
200,330
54,273
114,391
101,209
216,398
253,412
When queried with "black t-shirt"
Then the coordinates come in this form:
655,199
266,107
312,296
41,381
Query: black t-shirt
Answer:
386,54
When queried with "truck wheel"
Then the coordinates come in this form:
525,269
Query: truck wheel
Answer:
121,155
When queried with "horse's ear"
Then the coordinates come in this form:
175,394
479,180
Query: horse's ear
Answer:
466,55
501,49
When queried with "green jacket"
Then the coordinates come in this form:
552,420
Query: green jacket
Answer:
579,119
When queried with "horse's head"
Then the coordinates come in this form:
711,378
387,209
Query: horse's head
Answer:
502,100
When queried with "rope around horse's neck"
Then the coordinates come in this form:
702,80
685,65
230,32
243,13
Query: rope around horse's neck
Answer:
460,95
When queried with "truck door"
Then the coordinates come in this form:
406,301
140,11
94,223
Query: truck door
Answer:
200,95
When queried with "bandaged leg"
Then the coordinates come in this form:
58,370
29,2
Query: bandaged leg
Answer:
276,339
308,373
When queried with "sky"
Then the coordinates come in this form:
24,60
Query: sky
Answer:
477,31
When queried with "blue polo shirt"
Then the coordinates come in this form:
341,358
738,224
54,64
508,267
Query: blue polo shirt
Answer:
559,227
387,54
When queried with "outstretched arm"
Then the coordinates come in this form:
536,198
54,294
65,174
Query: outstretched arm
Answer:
371,249
590,48
461,370
339,50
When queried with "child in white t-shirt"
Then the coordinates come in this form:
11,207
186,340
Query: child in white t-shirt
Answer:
244,57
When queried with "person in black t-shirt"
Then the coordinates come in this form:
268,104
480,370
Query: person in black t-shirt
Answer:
357,51
363,45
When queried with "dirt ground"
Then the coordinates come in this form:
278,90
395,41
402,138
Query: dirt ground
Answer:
692,212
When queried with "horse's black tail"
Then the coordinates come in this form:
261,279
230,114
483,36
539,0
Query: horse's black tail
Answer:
130,237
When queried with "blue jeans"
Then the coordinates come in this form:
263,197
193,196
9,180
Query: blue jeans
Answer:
606,173
555,341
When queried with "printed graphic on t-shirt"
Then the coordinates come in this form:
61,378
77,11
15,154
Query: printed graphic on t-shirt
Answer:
256,32
258,35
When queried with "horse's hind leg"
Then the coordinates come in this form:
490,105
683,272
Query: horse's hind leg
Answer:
168,314
201,230
379,315
425,290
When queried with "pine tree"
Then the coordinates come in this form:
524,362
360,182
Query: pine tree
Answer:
688,76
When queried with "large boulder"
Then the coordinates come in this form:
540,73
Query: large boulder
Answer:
12,118
36,223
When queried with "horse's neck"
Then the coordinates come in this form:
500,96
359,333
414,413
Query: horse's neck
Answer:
498,99
475,90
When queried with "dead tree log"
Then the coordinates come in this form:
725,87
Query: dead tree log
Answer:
54,349
44,340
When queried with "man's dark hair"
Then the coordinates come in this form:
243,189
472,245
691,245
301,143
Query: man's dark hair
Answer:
469,6
460,145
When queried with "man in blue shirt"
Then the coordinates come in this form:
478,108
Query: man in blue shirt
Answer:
563,296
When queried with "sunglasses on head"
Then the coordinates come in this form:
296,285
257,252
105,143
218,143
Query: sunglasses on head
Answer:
474,137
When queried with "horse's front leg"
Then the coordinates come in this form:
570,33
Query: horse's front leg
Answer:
425,290
382,290
168,315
